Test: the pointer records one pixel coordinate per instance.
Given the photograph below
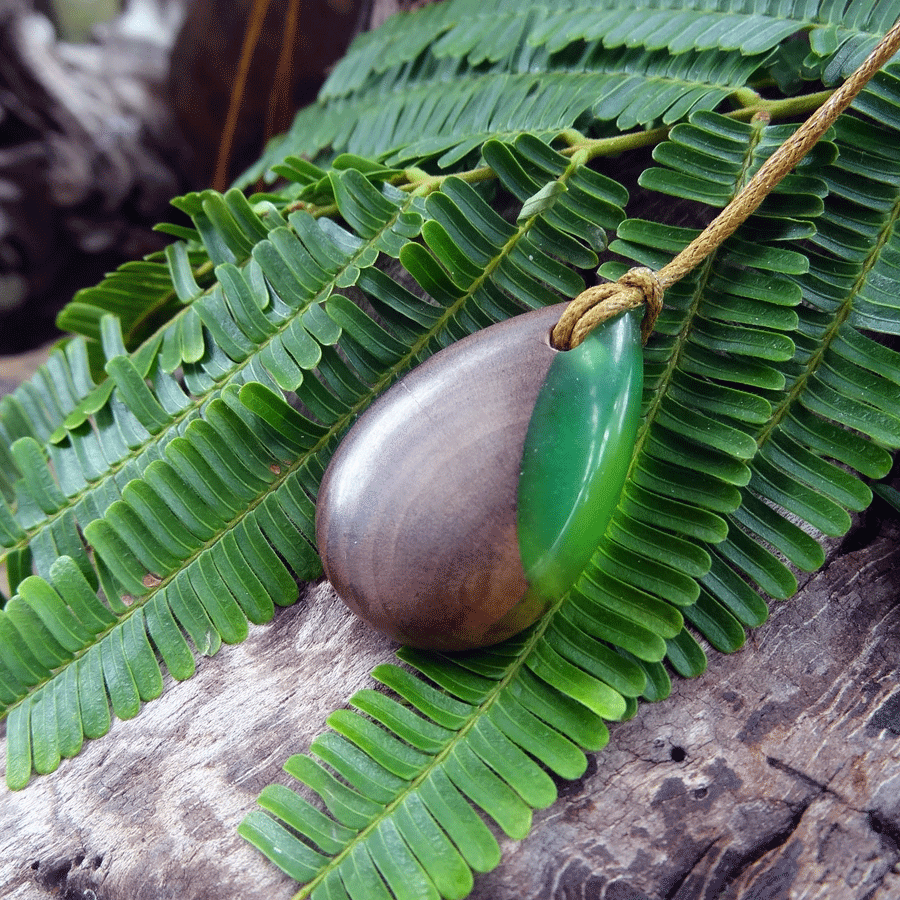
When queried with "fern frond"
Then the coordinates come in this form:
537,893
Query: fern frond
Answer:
140,294
458,111
791,469
675,553
466,31
183,532
127,421
463,75
158,513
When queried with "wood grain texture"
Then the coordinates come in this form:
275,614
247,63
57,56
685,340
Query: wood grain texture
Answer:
416,517
773,777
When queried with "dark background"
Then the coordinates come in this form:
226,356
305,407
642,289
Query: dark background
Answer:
97,134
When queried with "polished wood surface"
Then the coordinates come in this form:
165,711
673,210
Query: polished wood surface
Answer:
416,518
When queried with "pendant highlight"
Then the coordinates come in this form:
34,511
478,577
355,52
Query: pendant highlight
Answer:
474,491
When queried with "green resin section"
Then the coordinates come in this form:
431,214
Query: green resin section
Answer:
577,452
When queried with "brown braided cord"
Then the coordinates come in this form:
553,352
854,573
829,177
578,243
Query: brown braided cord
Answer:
636,287
603,301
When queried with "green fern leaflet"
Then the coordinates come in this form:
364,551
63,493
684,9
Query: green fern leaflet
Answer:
159,474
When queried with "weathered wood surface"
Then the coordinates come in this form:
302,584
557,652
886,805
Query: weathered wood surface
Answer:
773,777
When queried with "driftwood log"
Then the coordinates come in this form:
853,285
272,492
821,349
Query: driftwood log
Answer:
772,777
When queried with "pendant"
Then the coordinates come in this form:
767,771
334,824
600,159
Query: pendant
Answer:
471,495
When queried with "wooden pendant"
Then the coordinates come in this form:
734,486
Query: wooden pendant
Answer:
471,494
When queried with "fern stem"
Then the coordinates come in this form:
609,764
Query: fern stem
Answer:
785,108
747,97
421,184
841,315
430,183
779,164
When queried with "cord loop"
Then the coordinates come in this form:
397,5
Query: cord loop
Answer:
637,287
641,285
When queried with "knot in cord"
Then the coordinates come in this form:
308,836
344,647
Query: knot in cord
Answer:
637,287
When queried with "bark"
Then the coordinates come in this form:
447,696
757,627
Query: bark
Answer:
772,777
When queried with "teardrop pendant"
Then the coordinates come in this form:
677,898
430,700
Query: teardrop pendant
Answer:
471,494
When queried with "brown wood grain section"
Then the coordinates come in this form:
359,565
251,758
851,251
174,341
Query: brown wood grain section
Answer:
416,517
